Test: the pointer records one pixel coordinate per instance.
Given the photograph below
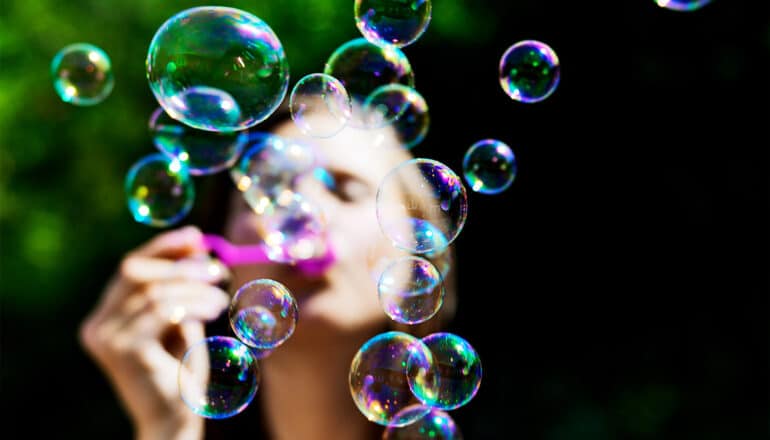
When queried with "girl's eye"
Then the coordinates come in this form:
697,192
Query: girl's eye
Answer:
345,186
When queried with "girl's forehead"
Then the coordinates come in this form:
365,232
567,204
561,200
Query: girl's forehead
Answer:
368,154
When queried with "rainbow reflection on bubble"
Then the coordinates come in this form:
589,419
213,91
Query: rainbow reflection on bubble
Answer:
433,424
217,68
401,107
392,22
389,372
159,190
320,106
218,377
422,206
458,367
411,290
529,71
489,166
682,5
82,74
263,314
362,67
202,152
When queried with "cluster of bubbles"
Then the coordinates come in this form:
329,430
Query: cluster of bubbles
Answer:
218,72
219,376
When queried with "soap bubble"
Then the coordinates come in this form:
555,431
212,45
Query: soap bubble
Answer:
389,372
433,424
202,152
272,163
458,368
263,314
489,166
159,190
529,71
422,206
218,377
320,105
82,74
392,22
401,107
217,68
682,5
362,66
411,290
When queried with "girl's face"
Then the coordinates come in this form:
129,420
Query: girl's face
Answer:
344,298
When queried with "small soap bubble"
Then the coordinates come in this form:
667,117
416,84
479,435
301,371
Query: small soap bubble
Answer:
489,166
263,314
390,372
272,163
218,69
529,71
682,5
362,66
458,368
392,22
401,107
202,152
82,74
292,228
320,106
433,424
422,206
218,377
160,190
411,290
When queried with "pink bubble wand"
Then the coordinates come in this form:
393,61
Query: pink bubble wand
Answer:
239,255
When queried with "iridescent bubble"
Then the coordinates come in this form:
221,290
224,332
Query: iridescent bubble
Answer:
272,163
291,227
82,74
362,67
489,166
529,71
263,314
458,368
403,108
218,377
389,372
422,206
320,106
217,69
202,152
411,290
392,22
159,190
682,5
433,424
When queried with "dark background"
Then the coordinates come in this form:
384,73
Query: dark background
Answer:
618,290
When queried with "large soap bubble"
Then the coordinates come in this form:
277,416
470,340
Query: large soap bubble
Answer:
217,68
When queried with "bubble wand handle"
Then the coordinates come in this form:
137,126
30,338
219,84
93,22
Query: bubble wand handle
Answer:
237,255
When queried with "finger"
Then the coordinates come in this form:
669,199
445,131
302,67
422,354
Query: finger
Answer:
141,269
173,244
